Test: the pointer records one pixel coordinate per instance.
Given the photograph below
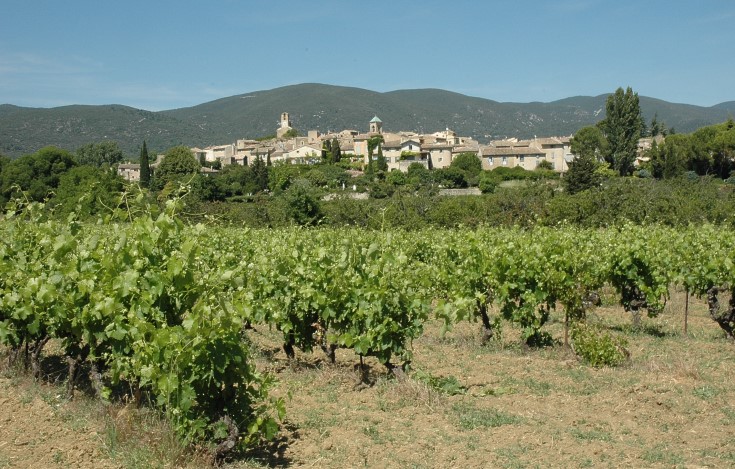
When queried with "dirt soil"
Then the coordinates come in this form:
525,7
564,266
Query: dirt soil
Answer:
39,429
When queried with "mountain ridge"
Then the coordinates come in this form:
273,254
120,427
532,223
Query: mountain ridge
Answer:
314,106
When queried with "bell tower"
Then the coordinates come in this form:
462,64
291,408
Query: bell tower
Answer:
376,125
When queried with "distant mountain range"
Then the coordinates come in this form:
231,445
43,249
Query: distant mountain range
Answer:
324,108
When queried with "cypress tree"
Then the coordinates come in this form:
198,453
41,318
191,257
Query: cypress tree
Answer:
260,171
145,167
382,162
336,151
327,152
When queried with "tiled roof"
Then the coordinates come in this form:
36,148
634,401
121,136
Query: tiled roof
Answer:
513,151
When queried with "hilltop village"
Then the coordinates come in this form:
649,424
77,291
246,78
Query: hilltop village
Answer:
400,149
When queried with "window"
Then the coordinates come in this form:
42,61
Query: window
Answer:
490,160
521,159
505,160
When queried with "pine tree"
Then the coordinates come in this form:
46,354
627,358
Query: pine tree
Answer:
145,167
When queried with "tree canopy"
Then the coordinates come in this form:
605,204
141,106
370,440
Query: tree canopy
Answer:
88,190
178,164
468,162
36,174
106,153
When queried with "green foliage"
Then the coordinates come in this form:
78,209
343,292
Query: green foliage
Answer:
598,348
469,163
106,153
87,191
327,152
37,175
451,177
136,303
382,162
670,159
396,178
582,174
589,142
261,174
545,165
487,183
336,151
178,165
325,176
303,203
623,126
290,133
418,174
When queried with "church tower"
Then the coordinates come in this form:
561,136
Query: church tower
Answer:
376,125
285,125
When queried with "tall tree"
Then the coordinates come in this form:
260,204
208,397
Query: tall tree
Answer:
669,160
723,149
260,173
382,161
145,167
657,128
622,126
327,151
336,151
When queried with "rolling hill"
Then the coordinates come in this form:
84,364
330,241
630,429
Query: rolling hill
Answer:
324,108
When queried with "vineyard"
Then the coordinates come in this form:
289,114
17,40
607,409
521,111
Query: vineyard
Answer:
169,315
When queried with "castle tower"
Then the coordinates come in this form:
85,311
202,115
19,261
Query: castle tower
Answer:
376,125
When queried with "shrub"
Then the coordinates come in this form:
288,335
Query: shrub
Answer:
598,348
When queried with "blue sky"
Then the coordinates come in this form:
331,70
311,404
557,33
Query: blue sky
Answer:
161,54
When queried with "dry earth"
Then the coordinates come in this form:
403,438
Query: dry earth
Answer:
39,429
